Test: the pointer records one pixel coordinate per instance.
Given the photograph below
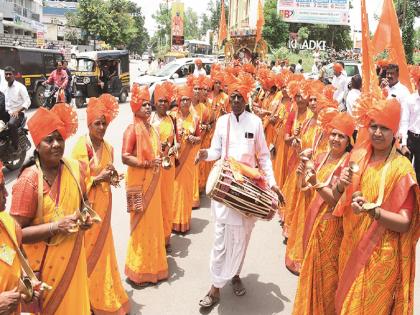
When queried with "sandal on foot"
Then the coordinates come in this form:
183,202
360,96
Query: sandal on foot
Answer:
238,287
209,301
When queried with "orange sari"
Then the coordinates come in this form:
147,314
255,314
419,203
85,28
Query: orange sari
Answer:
166,134
183,190
321,242
376,265
10,269
107,294
146,254
274,106
65,259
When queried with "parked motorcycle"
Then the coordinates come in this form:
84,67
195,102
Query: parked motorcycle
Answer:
13,159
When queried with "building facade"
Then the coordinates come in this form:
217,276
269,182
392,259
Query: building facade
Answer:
55,21
21,17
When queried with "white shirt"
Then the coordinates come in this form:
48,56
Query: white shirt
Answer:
197,72
411,117
246,139
276,69
340,83
16,96
400,92
298,68
315,69
352,97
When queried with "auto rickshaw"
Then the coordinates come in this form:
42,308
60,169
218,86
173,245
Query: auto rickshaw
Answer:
99,72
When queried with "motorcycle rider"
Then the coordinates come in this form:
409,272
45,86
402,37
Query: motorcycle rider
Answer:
58,77
17,100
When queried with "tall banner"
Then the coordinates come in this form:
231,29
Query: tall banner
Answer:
177,25
333,12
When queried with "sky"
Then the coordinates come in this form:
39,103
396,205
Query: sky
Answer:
200,6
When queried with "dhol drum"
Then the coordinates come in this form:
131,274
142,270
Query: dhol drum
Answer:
245,196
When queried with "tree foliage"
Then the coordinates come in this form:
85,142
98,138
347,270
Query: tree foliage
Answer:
205,25
275,31
191,30
117,22
215,8
407,11
163,22
141,39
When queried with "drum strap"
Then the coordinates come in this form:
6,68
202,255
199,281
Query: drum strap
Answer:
227,139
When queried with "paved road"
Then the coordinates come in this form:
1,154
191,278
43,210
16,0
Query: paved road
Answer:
270,287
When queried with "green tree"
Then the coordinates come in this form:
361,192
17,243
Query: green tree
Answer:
123,28
407,11
214,7
140,41
191,30
275,31
163,22
205,24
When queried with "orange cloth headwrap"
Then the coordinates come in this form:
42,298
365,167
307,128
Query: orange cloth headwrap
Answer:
386,113
183,90
243,84
344,123
166,90
62,117
106,105
415,73
139,94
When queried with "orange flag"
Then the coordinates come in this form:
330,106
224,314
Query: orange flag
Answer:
370,80
260,21
222,25
387,36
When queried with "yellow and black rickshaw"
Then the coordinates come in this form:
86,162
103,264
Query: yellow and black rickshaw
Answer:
99,72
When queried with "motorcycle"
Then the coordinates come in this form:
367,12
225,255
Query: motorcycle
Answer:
13,159
51,96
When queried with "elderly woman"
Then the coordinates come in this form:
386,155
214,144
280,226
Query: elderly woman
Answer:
164,124
380,218
106,292
189,139
323,232
46,201
146,256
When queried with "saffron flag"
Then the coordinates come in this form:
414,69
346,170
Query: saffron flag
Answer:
222,25
260,22
370,80
387,36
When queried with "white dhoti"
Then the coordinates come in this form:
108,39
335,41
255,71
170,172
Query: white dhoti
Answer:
229,249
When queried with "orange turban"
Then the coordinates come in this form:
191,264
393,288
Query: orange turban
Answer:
293,88
338,67
166,91
62,117
106,105
139,94
343,122
196,81
415,73
248,67
244,84
183,90
383,63
218,76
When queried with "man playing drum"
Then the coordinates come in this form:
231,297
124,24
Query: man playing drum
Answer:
239,135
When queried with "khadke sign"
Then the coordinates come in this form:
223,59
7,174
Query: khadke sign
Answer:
307,44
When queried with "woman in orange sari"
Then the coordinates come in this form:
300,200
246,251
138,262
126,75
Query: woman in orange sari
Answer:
314,142
10,268
146,256
298,118
46,201
164,124
323,232
380,210
107,295
189,138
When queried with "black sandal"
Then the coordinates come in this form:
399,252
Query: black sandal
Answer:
209,301
238,287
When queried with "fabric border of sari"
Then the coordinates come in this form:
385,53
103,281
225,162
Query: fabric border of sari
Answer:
100,240
124,309
180,227
56,297
147,198
146,277
370,240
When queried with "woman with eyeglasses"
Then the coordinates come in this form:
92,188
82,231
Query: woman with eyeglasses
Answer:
188,133
322,232
146,261
380,211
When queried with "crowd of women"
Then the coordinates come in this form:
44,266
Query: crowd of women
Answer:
351,220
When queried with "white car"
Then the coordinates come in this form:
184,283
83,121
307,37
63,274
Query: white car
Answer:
176,71
351,67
